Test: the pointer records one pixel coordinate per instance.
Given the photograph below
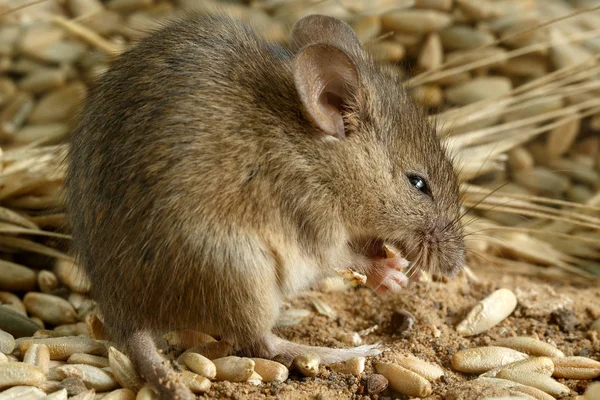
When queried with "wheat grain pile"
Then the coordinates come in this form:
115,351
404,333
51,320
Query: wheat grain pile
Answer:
514,89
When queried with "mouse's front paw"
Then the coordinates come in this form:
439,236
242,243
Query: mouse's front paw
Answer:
386,275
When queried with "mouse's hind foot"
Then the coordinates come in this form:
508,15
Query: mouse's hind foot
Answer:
271,346
156,369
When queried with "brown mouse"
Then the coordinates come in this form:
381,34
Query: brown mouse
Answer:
213,174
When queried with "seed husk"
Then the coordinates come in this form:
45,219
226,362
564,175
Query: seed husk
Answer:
481,359
233,369
488,313
49,308
429,371
308,365
541,365
62,348
403,380
146,393
17,373
530,346
123,370
200,365
539,381
196,383
576,368
39,356
270,371
93,377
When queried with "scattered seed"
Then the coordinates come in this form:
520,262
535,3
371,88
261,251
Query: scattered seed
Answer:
93,377
255,379
39,356
307,365
576,368
530,346
7,342
57,395
16,373
233,369
62,348
270,371
415,21
15,277
488,313
540,365
403,380
87,395
200,365
72,275
196,383
481,359
22,393
213,350
123,370
350,338
592,392
120,394
72,385
146,393
354,366
82,358
539,381
429,371
49,308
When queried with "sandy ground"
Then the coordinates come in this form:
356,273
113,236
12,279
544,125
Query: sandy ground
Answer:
437,308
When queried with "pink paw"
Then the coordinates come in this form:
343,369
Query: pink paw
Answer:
386,275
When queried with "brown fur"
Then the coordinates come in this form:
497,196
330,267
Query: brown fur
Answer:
201,194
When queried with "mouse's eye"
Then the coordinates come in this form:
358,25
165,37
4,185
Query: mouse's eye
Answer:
419,183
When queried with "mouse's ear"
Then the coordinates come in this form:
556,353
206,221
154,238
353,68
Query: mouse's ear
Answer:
326,79
324,29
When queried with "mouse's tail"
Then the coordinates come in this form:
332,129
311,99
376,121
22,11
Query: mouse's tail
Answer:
272,345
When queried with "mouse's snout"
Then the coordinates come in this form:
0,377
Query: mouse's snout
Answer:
443,245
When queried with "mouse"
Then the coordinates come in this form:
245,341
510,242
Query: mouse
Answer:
212,175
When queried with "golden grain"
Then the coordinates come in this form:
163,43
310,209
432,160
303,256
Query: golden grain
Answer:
403,380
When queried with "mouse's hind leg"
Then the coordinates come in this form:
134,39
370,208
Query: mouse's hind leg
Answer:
156,369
